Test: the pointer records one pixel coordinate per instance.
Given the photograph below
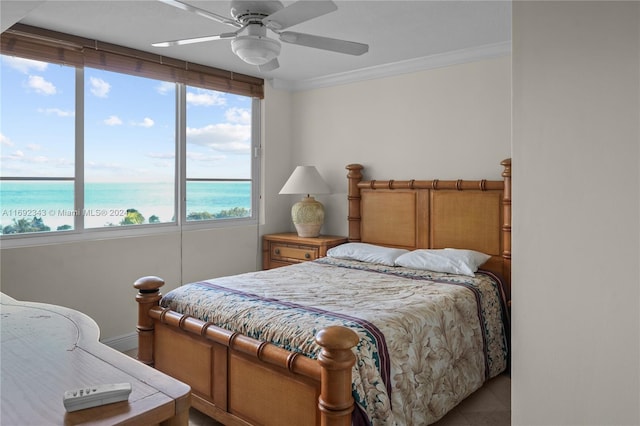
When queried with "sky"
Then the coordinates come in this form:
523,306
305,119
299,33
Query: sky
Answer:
129,126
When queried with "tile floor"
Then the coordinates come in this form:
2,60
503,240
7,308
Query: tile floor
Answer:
489,406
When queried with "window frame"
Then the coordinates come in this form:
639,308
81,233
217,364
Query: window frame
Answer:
79,232
181,168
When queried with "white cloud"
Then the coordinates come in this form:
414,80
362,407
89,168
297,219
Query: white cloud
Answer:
40,85
34,147
113,120
146,122
161,155
222,137
205,98
238,115
40,159
165,87
198,156
57,111
20,156
94,165
99,87
20,164
5,140
25,66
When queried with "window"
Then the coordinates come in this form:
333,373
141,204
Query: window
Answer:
119,139
129,150
218,157
37,138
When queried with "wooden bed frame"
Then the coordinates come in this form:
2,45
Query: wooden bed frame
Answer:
238,380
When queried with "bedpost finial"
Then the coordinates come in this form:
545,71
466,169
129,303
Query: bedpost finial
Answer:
355,171
148,297
337,337
148,284
506,163
336,360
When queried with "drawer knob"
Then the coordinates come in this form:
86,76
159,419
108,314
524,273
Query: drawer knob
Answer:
307,256
277,251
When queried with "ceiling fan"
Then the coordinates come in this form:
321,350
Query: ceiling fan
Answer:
252,19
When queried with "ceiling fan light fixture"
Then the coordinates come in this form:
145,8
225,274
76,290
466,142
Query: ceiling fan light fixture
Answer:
255,50
256,16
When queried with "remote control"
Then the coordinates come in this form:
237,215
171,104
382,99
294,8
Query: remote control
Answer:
93,396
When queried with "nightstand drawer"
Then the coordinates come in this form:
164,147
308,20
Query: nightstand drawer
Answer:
286,252
288,248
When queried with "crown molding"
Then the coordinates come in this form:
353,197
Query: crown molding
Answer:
440,60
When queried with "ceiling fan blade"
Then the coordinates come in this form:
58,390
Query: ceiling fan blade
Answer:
298,12
201,12
194,40
269,66
324,43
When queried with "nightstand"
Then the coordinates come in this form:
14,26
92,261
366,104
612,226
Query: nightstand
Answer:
288,248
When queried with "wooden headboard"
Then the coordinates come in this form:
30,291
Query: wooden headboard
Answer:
412,214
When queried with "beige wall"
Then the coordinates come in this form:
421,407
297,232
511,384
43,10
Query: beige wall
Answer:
576,278
447,123
96,277
276,160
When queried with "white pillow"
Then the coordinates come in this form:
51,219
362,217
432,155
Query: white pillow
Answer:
366,253
452,261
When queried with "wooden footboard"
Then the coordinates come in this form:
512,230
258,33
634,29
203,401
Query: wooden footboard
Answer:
238,380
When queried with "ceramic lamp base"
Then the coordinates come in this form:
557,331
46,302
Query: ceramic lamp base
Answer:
308,217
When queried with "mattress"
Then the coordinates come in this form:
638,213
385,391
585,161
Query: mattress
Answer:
427,340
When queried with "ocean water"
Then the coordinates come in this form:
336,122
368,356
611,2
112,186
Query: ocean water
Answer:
106,203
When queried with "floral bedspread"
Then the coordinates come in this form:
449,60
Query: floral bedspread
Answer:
427,340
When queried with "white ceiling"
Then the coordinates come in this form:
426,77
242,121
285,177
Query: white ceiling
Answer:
402,35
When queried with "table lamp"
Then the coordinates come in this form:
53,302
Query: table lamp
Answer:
307,214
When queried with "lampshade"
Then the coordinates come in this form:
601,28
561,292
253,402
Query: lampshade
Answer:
305,180
255,50
307,214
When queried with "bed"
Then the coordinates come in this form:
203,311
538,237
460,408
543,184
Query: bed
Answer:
355,337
